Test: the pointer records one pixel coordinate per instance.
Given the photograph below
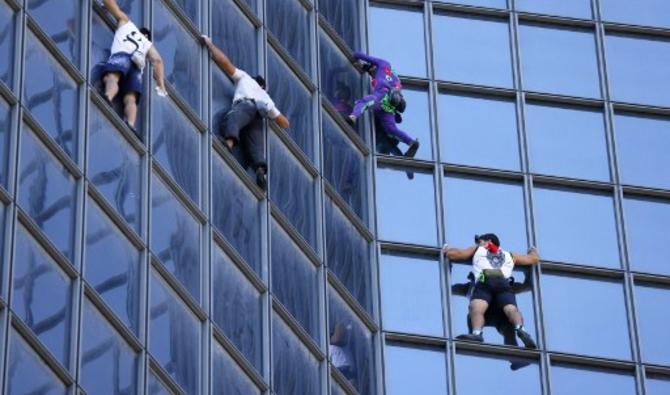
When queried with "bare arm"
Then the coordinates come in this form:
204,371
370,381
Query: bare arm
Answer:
219,57
117,13
526,260
457,254
159,69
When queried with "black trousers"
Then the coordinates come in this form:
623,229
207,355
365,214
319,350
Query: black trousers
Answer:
244,124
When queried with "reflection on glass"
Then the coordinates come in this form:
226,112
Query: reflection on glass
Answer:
41,295
574,8
101,37
223,92
6,44
114,168
112,266
570,379
478,131
289,21
350,345
335,388
176,145
191,8
2,250
480,3
646,229
175,336
406,51
657,385
469,203
235,35
60,19
652,321
344,17
523,375
415,120
584,232
181,54
175,238
406,207
292,190
473,49
640,166
237,308
569,315
632,80
411,294
415,370
156,386
559,60
50,95
229,378
108,365
5,133
295,369
22,359
641,12
47,192
567,141
236,213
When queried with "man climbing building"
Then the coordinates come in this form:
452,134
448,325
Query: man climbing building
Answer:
130,49
386,100
492,270
243,123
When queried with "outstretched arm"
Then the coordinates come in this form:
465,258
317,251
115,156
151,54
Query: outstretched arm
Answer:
457,254
117,13
159,69
526,260
219,57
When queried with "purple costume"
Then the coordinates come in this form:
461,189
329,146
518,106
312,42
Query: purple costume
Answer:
384,80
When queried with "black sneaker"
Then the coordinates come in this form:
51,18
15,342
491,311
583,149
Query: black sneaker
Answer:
413,148
261,179
516,365
526,339
471,337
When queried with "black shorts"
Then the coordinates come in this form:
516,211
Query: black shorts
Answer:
495,290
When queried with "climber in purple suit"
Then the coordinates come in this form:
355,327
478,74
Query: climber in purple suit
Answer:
386,100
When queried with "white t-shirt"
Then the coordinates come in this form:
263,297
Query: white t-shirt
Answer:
128,39
247,88
339,356
484,259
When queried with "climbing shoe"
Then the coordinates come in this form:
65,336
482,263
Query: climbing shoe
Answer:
526,339
413,148
471,337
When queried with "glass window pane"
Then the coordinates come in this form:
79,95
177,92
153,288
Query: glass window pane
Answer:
6,44
345,167
50,95
586,220
293,190
657,385
479,3
294,101
350,345
235,35
411,294
351,265
61,21
641,12
175,336
191,8
236,213
237,308
646,228
42,295
571,8
295,369
295,281
2,249
464,198
176,145
641,166
524,376
415,370
175,238
567,141
47,192
406,51
344,17
472,49
289,21
416,123
22,359
223,92
567,314
492,120
559,60
5,133
112,266
181,55
652,320
114,168
572,380
108,365
99,49
229,378
156,386
406,206
634,81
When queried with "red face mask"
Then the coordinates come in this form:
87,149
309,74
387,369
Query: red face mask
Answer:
492,247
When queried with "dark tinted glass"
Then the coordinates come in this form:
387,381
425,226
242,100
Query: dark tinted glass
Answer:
566,311
651,321
5,133
344,16
6,44
61,20
646,229
642,12
407,51
229,378
22,359
289,22
415,370
573,380
235,35
295,370
472,49
415,122
523,375
108,365
574,8
112,266
42,296
411,294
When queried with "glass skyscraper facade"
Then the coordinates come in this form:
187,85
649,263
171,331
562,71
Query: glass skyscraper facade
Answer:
149,262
